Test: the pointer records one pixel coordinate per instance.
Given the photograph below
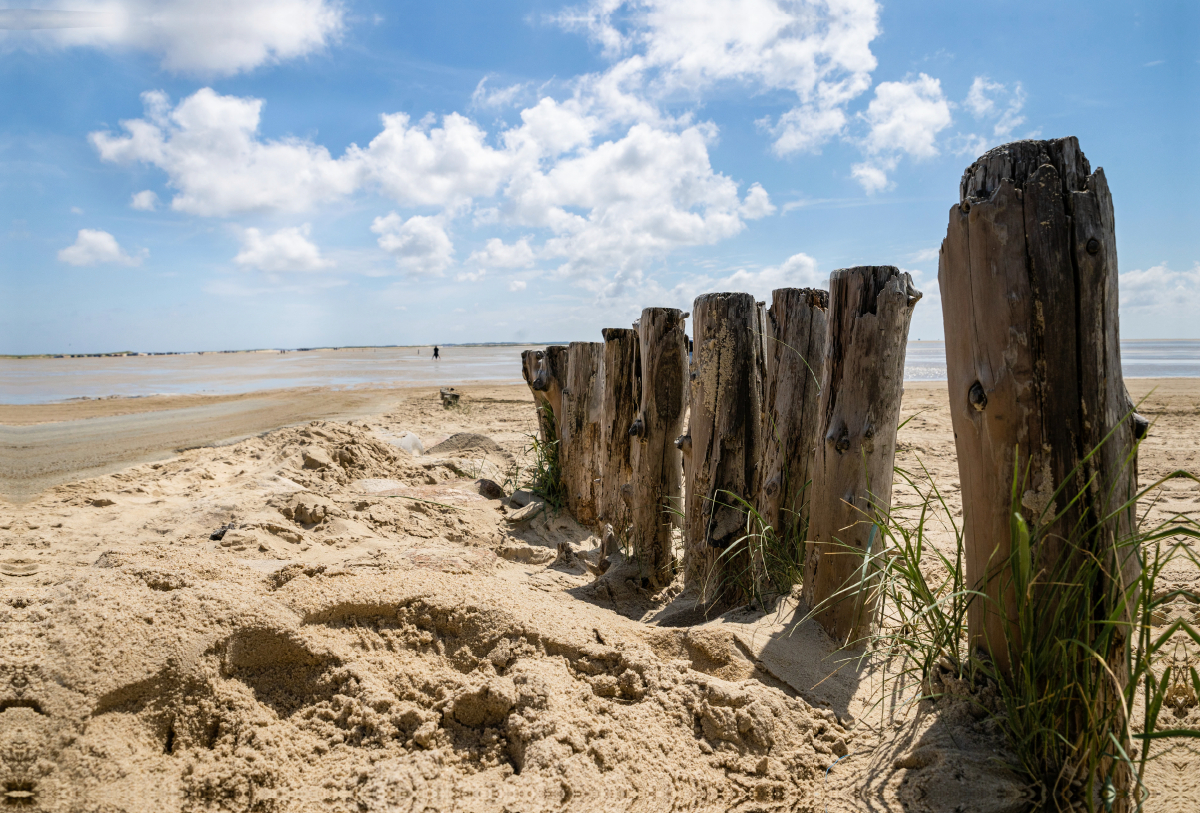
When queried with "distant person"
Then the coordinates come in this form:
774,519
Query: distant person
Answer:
435,353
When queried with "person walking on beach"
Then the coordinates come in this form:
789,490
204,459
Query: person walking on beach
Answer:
435,353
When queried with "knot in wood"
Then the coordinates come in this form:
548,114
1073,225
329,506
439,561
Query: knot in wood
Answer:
637,429
977,397
1141,426
843,442
1093,246
684,444
965,206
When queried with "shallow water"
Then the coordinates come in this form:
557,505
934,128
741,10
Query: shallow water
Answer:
44,380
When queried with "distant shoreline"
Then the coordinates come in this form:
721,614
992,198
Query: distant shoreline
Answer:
139,354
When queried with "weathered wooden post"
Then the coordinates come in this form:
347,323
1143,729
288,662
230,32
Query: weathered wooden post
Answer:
545,371
622,396
1028,274
723,438
870,308
795,361
655,492
583,401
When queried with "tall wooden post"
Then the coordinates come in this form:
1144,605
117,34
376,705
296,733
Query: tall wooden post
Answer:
795,361
1041,376
583,402
870,308
657,471
531,361
622,396
724,440
1035,387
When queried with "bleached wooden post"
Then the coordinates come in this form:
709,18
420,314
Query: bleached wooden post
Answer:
531,361
622,396
1041,375
583,400
870,308
795,359
656,488
723,437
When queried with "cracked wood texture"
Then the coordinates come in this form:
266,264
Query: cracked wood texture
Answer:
723,440
622,397
796,327
1028,273
545,371
582,404
657,472
870,308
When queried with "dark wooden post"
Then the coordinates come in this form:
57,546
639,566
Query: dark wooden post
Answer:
869,312
1028,274
583,401
723,437
622,397
656,488
795,361
1042,375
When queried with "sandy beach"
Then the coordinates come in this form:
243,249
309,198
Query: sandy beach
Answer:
260,602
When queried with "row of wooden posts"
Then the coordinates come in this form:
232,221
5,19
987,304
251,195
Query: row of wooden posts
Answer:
794,407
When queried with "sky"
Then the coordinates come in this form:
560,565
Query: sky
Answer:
231,174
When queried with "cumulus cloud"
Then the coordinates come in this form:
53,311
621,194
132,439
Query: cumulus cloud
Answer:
209,148
419,244
903,118
517,285
497,254
286,250
144,201
995,104
94,247
819,51
206,37
1159,288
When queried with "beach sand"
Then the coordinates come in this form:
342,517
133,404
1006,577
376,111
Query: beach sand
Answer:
370,632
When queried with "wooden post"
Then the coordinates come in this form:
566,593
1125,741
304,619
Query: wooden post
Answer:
545,372
723,436
655,495
795,361
1036,386
622,396
1041,376
583,401
869,312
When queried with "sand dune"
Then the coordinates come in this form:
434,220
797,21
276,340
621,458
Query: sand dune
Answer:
312,619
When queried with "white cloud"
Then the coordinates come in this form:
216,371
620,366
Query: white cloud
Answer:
93,247
498,98
517,285
757,203
209,148
819,51
904,118
992,101
797,271
288,249
907,116
421,165
419,244
496,254
144,201
206,37
1159,289
75,210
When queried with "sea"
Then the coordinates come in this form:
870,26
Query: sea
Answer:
47,380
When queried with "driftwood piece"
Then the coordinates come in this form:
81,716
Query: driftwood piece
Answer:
870,308
723,437
449,397
795,361
579,453
622,397
656,491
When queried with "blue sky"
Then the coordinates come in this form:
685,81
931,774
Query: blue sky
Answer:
227,174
